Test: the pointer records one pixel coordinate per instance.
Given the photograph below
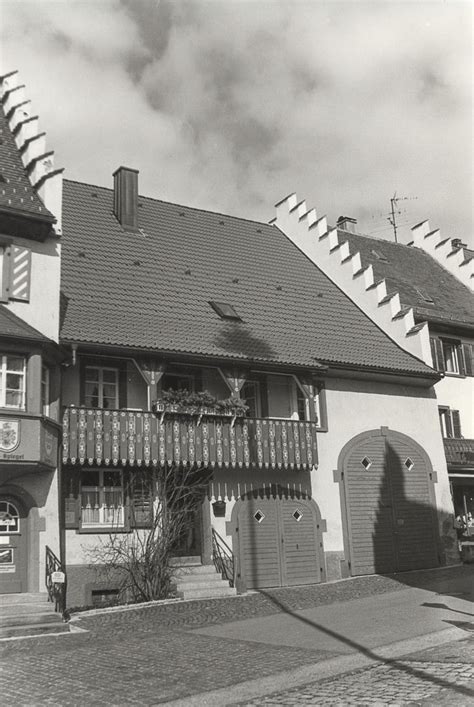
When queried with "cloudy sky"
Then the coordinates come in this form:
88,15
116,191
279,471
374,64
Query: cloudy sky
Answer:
232,105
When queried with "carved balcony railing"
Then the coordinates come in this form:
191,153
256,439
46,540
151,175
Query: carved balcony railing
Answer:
114,437
459,452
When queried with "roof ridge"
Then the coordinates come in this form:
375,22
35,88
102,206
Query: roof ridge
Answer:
174,203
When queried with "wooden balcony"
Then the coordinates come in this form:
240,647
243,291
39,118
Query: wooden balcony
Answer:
122,437
459,452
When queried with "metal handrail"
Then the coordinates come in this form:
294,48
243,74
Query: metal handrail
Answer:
223,557
55,585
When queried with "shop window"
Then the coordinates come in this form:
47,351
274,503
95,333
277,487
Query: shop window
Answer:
12,381
102,499
450,422
101,387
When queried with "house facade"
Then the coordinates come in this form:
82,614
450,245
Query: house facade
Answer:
333,463
30,429
421,295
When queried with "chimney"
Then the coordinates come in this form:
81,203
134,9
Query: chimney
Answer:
458,244
346,223
126,197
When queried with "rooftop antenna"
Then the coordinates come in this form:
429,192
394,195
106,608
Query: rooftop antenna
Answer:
394,211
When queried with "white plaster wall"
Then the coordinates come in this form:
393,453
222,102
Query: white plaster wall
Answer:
354,407
42,311
458,393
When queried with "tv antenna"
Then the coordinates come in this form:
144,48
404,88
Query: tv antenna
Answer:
394,211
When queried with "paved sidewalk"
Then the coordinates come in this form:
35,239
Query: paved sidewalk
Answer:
164,653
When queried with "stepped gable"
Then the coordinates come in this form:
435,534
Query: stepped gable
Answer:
331,250
13,326
451,253
417,277
150,289
30,186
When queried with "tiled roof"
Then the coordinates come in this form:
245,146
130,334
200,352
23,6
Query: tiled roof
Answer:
152,289
13,326
16,191
414,273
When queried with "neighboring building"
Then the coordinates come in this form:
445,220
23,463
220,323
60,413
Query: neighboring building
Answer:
338,469
29,351
421,295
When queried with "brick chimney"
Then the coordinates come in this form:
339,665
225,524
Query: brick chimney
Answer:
126,197
346,223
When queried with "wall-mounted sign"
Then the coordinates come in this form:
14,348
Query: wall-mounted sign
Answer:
9,435
6,556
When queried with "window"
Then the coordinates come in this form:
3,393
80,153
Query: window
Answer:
225,311
450,422
452,354
12,381
101,387
9,518
45,390
102,499
251,394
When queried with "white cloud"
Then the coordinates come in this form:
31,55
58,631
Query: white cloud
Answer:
233,105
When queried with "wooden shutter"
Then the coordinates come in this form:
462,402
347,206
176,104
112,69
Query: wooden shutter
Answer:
140,498
434,353
448,422
461,360
20,273
456,420
71,496
467,351
440,364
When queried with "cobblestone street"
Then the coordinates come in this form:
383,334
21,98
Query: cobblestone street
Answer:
440,676
159,654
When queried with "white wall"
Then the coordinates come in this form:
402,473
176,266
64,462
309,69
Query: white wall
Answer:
42,311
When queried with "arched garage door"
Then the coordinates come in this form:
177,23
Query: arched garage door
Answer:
388,493
278,539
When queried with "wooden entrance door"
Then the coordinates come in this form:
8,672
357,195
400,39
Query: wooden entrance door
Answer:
279,541
389,499
13,547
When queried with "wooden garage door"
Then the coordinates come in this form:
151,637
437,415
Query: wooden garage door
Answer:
279,540
390,516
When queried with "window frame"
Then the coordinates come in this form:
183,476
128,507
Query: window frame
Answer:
452,353
100,489
100,386
4,372
450,422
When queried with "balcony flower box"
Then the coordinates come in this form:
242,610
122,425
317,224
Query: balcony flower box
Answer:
182,402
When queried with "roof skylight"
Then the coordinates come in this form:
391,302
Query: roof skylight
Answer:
225,310
379,255
425,296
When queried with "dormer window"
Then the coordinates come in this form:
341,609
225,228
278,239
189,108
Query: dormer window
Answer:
225,310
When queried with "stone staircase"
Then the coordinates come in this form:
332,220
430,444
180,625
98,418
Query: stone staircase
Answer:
193,580
29,615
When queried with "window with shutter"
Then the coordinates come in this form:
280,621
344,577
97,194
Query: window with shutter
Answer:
468,356
450,421
456,420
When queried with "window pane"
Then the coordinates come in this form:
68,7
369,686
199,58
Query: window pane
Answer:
13,399
90,478
109,376
15,363
14,381
92,395
113,478
92,374
109,391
